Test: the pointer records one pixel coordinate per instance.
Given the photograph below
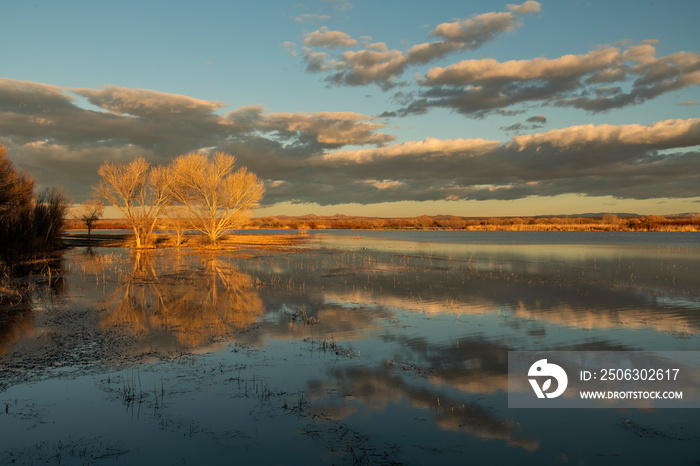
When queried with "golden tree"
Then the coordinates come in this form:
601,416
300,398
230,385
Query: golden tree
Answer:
217,198
140,192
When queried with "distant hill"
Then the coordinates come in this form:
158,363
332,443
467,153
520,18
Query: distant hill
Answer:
600,214
625,214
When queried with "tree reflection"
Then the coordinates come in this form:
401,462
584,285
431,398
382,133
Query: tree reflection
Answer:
198,305
16,322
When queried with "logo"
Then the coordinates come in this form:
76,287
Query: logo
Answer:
543,369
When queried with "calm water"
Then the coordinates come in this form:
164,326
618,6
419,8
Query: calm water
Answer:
359,348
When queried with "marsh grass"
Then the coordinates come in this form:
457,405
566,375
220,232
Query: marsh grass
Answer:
301,315
188,241
11,292
25,274
603,222
131,391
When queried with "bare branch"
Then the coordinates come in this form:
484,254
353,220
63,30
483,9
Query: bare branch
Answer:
138,191
217,198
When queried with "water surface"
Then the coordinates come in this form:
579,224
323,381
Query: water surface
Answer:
360,347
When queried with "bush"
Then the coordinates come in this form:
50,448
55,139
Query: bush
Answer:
28,224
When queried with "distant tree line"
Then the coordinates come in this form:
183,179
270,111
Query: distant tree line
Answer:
29,223
607,222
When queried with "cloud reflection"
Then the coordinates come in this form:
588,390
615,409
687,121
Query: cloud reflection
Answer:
374,389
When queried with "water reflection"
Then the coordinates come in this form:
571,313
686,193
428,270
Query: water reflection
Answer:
16,323
375,389
397,341
31,285
556,305
189,305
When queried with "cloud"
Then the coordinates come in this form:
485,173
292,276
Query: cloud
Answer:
429,148
597,81
314,157
316,61
535,122
62,143
147,103
624,161
687,103
530,6
659,135
539,119
472,33
383,184
290,47
340,5
331,129
377,64
329,39
515,128
310,17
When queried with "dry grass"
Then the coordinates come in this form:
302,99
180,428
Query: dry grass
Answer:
199,241
8,294
191,241
609,222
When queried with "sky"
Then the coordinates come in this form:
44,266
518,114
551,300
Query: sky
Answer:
381,108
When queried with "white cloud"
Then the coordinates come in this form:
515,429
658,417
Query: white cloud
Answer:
376,63
329,39
662,134
596,81
145,102
384,184
473,32
430,147
530,6
311,17
305,156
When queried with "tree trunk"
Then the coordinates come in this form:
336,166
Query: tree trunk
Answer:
137,236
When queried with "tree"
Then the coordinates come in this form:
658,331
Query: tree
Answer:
49,217
138,191
15,188
217,198
89,212
28,224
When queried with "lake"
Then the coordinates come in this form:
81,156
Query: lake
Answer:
357,347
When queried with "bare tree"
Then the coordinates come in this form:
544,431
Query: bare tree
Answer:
89,212
50,209
138,191
217,198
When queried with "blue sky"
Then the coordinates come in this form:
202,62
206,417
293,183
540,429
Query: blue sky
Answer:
370,108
